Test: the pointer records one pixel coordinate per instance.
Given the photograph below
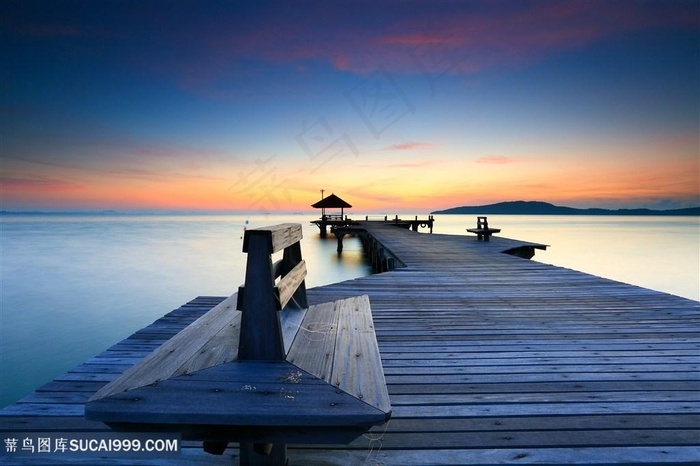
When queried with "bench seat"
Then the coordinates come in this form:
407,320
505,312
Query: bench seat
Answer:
273,396
331,386
484,233
261,368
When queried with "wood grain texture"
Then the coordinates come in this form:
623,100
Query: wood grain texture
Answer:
249,393
290,320
277,237
357,365
261,332
289,284
337,343
201,344
313,348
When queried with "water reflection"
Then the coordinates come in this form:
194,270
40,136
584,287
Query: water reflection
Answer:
325,265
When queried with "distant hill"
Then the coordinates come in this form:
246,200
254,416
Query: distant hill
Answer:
544,208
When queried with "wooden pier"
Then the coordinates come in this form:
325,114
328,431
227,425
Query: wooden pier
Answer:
332,221
410,223
488,359
340,222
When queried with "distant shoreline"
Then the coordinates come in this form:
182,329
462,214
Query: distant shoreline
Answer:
501,208
544,208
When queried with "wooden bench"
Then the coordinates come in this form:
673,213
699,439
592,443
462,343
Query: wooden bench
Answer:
262,368
482,230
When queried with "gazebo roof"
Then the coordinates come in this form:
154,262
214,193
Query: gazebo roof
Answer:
331,201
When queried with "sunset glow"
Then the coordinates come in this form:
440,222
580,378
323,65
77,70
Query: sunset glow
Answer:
394,106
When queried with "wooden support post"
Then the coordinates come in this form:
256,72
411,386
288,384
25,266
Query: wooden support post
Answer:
263,454
261,336
340,240
261,332
214,448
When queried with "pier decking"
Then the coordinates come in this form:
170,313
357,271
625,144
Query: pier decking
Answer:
336,222
488,358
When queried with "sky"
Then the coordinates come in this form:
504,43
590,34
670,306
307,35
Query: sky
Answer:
395,106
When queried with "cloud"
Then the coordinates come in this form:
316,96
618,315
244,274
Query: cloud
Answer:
36,183
469,40
410,146
496,160
450,37
207,49
158,174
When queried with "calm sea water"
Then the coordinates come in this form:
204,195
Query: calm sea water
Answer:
73,285
661,253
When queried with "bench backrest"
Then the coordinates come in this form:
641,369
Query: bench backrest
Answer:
262,297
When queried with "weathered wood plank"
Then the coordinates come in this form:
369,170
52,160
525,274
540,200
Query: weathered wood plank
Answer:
37,423
513,387
545,409
313,348
357,366
550,423
277,237
561,376
188,456
428,369
290,321
511,439
221,347
69,386
179,353
515,361
563,397
288,285
237,393
374,454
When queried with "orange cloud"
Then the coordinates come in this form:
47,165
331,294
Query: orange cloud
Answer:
410,146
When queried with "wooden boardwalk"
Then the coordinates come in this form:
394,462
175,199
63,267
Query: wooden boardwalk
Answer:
489,359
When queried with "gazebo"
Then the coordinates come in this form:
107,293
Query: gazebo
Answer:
331,202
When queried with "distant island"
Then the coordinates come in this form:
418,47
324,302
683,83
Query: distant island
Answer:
544,208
